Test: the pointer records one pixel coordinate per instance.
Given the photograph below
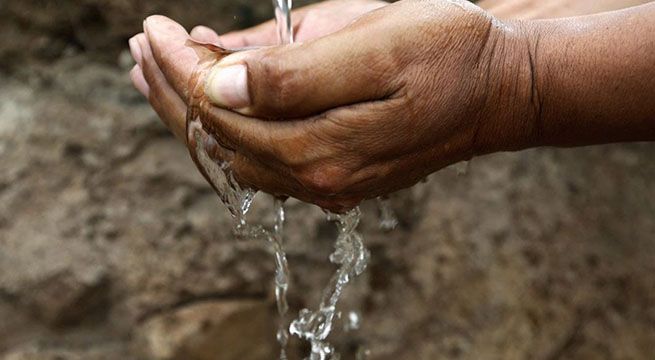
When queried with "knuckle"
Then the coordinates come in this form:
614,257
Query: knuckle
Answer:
324,179
296,152
280,83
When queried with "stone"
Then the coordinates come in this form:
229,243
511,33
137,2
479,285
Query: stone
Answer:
37,352
66,298
215,330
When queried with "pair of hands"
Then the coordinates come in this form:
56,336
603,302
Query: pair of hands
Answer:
358,109
373,107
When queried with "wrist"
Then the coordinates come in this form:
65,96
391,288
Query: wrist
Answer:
514,106
517,9
594,83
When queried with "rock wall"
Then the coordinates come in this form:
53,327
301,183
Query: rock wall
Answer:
113,247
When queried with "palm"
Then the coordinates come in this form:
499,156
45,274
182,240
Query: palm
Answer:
309,22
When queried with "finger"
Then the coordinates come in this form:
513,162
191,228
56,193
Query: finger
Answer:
204,34
135,50
264,34
298,80
164,100
139,82
280,144
326,17
167,41
261,35
215,150
248,171
260,176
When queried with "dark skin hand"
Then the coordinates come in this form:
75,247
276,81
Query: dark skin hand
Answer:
385,101
539,9
309,22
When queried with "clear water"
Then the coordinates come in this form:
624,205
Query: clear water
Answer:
238,201
285,36
388,219
283,19
463,167
350,255
352,321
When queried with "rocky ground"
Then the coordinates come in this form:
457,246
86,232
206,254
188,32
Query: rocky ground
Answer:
113,247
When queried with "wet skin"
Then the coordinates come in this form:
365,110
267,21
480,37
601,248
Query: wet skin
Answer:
385,101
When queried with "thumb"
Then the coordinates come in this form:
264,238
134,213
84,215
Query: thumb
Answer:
298,80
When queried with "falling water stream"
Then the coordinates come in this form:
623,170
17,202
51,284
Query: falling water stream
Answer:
350,255
283,21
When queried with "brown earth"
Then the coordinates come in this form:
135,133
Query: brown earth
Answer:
113,247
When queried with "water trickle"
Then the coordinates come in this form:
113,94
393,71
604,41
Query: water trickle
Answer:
459,3
349,254
362,353
283,20
238,200
463,167
388,219
351,257
352,321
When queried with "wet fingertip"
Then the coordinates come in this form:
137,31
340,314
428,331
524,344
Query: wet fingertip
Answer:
204,34
140,37
197,30
139,81
143,45
146,26
135,49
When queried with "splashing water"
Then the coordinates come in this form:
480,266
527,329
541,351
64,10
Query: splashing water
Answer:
350,254
285,36
352,258
388,219
463,167
238,201
352,321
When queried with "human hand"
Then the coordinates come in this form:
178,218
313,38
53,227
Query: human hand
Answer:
538,9
359,113
309,22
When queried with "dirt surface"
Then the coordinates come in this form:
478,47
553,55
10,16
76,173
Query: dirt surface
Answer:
113,247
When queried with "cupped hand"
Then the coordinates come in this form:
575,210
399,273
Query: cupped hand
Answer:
400,93
309,22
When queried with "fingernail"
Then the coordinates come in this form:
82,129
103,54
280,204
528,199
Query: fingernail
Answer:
227,86
135,50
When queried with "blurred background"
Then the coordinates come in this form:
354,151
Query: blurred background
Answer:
112,246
